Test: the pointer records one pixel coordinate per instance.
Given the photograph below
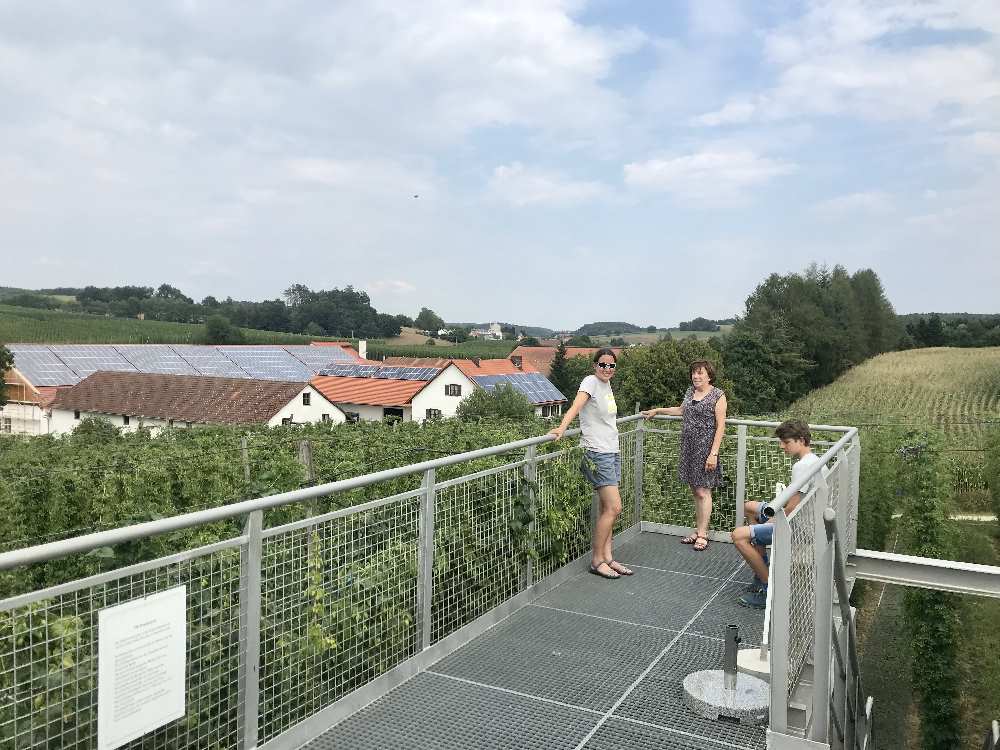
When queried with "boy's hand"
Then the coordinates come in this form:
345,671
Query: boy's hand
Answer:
558,432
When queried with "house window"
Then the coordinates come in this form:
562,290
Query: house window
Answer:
76,414
453,389
352,417
286,420
326,417
433,414
305,398
125,420
170,423
8,425
392,414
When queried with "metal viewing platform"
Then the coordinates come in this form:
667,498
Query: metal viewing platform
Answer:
446,604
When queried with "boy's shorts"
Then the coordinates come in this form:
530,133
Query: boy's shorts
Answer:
762,533
602,469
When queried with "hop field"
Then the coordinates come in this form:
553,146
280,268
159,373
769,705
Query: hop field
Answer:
954,390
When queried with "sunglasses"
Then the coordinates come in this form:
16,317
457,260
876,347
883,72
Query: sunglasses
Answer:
607,365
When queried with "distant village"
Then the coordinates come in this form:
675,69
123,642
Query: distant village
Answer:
154,386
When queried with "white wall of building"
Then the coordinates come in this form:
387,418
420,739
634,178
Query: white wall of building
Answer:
23,419
300,413
369,413
62,421
434,395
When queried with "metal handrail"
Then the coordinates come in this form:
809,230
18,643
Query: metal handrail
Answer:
992,739
88,542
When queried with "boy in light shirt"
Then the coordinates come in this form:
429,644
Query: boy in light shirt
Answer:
753,539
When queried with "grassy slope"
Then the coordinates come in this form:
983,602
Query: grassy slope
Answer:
26,325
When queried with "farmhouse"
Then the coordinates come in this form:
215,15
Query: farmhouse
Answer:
135,400
540,357
488,373
41,370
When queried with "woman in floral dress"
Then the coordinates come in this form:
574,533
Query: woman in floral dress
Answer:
704,413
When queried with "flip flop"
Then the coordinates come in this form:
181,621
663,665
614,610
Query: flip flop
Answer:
621,569
596,570
690,539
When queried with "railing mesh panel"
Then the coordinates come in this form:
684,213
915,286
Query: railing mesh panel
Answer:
476,561
802,592
562,519
627,519
338,609
48,659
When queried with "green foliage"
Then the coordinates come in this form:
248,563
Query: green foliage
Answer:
6,362
576,369
379,349
933,615
428,320
580,340
503,402
558,375
605,329
529,341
956,329
218,330
993,469
25,325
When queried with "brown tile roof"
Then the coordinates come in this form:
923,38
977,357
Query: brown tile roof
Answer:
368,391
186,398
540,357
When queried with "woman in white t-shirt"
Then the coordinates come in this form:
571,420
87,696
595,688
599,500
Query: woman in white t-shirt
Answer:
602,464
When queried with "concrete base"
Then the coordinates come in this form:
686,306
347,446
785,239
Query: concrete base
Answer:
705,696
749,661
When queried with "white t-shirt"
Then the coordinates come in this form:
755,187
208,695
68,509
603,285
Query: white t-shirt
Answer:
598,417
799,469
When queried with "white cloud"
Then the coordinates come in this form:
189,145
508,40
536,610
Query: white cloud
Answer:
834,60
522,186
392,286
712,174
872,202
375,176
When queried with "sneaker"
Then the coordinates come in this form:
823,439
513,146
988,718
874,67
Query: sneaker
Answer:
755,585
755,599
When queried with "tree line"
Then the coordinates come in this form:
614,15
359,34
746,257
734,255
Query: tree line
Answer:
951,330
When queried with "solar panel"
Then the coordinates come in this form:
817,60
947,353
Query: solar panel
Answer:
208,361
534,386
317,358
267,363
407,373
86,359
41,367
156,358
350,371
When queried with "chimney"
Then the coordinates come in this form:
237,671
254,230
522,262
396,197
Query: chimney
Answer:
476,361
516,361
363,348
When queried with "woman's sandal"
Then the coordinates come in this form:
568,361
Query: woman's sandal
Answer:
621,569
690,539
596,570
701,543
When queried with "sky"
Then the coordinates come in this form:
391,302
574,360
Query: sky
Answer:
544,162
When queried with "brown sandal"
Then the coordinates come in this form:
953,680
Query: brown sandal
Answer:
689,539
698,546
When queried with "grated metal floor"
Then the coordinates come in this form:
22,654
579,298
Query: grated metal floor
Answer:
592,665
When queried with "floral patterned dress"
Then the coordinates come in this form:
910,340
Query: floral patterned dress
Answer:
697,434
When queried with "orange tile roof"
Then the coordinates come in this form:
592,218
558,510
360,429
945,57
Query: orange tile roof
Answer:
368,391
467,366
541,357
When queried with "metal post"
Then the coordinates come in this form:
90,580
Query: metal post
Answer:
638,476
855,495
823,641
779,584
425,562
250,604
531,477
731,636
741,473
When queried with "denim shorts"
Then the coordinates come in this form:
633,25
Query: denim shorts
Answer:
602,469
762,534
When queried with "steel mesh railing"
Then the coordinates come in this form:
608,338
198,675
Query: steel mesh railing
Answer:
561,530
802,588
48,654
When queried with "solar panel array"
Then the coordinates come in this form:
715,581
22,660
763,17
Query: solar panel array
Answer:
378,371
533,385
68,364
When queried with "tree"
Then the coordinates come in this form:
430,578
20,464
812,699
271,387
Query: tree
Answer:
314,329
502,403
651,329
428,320
577,368
220,330
529,341
617,341
557,371
580,341
6,363
166,291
